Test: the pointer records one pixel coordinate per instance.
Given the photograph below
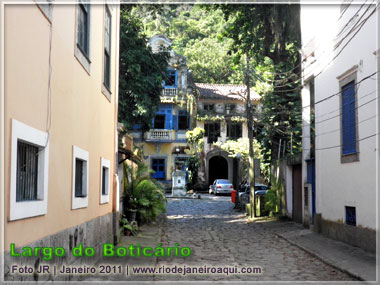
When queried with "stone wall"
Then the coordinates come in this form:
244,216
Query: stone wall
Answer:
92,233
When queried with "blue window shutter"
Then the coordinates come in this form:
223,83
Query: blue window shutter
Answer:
176,79
348,119
175,122
169,117
169,121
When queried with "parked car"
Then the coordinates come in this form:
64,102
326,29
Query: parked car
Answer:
221,186
260,189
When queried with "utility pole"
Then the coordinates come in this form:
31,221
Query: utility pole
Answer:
251,160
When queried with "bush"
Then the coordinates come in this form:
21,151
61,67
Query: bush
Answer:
143,193
273,198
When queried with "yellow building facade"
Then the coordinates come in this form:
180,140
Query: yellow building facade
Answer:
164,145
60,94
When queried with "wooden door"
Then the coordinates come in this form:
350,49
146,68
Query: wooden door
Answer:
297,193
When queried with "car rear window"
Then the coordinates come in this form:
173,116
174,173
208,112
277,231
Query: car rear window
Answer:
224,181
260,187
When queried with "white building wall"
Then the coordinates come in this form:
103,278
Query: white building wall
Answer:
342,184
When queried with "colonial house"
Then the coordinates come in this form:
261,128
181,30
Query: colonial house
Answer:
60,127
341,121
221,112
164,145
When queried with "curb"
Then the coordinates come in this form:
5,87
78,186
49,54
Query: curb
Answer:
321,258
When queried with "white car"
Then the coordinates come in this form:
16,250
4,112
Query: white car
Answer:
221,186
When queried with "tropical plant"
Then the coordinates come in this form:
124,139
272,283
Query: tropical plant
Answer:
273,197
126,226
194,139
142,193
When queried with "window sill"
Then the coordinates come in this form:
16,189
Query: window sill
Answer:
28,209
348,158
106,92
83,59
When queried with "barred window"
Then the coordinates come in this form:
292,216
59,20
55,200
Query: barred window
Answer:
27,172
80,178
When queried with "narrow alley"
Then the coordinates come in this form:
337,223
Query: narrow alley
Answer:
220,237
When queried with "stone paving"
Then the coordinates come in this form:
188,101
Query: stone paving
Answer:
220,236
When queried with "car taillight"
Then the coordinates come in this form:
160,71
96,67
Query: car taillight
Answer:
232,187
219,187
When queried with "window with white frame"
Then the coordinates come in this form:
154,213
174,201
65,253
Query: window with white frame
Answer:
107,48
29,171
82,47
348,116
105,165
80,178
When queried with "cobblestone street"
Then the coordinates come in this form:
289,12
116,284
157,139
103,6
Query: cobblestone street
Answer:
220,236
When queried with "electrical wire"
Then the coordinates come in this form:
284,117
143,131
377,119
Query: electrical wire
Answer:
340,145
355,26
336,37
336,130
50,71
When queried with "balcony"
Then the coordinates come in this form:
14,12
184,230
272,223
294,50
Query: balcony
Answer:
170,92
159,135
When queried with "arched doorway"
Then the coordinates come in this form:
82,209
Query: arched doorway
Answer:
217,169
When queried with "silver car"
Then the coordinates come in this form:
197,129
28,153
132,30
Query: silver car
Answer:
221,186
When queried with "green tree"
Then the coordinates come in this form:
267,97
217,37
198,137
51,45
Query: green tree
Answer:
233,147
141,73
270,35
195,33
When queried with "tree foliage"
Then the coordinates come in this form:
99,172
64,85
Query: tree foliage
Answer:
241,146
196,34
141,73
270,35
195,141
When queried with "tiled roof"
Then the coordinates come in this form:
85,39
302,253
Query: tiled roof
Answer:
224,91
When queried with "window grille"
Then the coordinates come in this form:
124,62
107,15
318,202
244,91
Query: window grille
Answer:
27,172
